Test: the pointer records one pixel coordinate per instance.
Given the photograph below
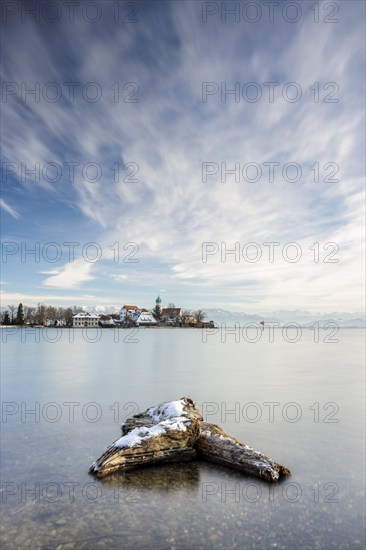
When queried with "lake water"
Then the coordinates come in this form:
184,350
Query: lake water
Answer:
301,403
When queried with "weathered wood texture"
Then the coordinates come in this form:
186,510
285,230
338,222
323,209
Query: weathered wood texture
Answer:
175,432
216,446
165,433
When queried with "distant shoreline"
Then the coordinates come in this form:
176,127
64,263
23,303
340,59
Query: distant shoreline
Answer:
102,328
217,326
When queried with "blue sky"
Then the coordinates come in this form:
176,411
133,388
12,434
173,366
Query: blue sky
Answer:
161,130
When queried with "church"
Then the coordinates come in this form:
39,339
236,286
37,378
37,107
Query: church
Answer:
169,315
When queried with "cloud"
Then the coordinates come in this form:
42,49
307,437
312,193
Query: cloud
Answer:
72,275
118,277
5,206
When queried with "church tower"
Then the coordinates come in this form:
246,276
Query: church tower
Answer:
158,303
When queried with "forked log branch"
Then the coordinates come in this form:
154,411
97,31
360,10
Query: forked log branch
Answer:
176,432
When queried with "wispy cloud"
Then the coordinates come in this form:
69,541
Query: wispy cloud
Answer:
5,206
72,275
118,277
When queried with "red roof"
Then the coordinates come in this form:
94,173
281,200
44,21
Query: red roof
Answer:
130,307
171,311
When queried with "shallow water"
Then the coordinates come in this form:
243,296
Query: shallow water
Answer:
301,403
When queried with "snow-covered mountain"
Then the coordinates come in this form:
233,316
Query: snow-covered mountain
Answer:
303,318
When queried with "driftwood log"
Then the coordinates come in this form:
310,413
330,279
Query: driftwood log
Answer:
176,432
216,446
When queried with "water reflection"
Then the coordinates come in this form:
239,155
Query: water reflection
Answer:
169,477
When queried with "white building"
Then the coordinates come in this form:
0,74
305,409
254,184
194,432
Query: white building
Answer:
85,319
129,313
107,321
134,314
146,319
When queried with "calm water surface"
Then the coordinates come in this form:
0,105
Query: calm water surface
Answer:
301,403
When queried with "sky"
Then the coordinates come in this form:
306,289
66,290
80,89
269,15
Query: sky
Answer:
161,147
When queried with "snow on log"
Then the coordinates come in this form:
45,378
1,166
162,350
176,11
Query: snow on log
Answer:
216,446
165,433
184,407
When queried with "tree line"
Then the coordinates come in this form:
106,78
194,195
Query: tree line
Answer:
45,314
39,315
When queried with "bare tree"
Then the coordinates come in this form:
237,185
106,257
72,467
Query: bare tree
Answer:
61,314
29,315
12,308
68,316
40,316
51,313
199,315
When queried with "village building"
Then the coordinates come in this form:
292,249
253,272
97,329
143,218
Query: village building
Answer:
106,321
84,319
189,320
129,313
146,319
171,315
171,312
136,315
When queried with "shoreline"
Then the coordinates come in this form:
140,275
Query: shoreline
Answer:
217,326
